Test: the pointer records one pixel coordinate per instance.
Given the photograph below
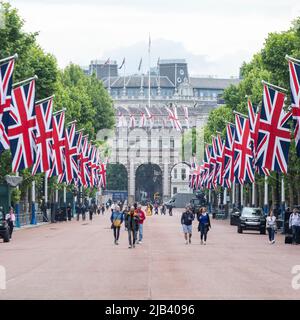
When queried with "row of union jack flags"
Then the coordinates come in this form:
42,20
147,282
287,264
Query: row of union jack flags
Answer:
147,119
38,138
256,143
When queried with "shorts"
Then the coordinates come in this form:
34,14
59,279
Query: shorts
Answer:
187,229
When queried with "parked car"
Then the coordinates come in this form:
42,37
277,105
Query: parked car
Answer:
4,229
252,219
235,217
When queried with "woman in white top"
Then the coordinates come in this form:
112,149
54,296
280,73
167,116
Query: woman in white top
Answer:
271,226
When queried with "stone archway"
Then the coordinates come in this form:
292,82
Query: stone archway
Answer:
148,182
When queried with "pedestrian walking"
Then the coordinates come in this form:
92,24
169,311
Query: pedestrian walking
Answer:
294,224
156,208
187,218
204,224
163,209
142,218
69,212
116,222
83,210
125,212
10,219
271,226
102,209
132,225
170,210
91,212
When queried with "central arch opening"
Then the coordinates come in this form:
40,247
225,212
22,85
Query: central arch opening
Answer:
148,182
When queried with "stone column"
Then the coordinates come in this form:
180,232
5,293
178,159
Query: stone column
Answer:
166,182
131,182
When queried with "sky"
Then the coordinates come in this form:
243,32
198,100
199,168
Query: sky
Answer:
214,37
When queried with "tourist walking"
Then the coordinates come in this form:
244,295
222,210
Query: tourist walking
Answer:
170,210
156,208
11,218
163,209
187,218
91,212
102,209
204,224
132,225
116,222
142,218
69,212
271,226
294,224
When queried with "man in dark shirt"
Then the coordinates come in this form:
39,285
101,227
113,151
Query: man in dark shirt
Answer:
187,218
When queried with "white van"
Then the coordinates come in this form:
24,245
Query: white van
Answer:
180,200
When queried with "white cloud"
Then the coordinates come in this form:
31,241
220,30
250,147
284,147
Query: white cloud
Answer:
206,32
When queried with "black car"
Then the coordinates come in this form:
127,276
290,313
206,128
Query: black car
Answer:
252,219
235,217
4,229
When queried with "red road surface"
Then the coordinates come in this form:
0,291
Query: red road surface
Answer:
78,260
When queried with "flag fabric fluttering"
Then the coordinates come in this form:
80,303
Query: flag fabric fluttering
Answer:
243,158
228,173
6,78
132,122
71,168
294,68
142,123
150,117
186,116
58,144
173,117
22,126
274,132
43,111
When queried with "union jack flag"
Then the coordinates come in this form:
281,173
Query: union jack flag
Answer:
150,117
206,167
102,173
174,119
220,148
142,120
6,77
254,120
186,116
132,121
228,172
212,168
243,158
22,126
295,90
274,132
43,141
93,166
58,144
83,162
192,175
70,152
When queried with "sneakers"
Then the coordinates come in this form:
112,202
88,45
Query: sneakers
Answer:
273,241
186,242
140,242
117,243
130,247
204,242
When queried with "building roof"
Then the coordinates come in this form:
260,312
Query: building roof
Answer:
171,61
135,81
212,83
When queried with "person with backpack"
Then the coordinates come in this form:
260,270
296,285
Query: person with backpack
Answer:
187,218
116,222
271,226
132,225
204,224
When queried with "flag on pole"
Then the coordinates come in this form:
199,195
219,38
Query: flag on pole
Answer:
228,172
243,158
43,141
186,116
71,168
274,132
150,117
58,144
142,123
6,77
132,122
294,69
22,126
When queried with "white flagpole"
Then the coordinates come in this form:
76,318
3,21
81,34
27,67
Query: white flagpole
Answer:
242,195
124,89
233,193
225,196
266,201
253,194
149,85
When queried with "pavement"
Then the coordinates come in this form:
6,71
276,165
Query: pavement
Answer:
78,260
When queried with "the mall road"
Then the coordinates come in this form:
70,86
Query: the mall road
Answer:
78,260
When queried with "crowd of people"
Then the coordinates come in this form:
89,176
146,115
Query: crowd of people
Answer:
133,218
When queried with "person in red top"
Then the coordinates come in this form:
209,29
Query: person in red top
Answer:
142,217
